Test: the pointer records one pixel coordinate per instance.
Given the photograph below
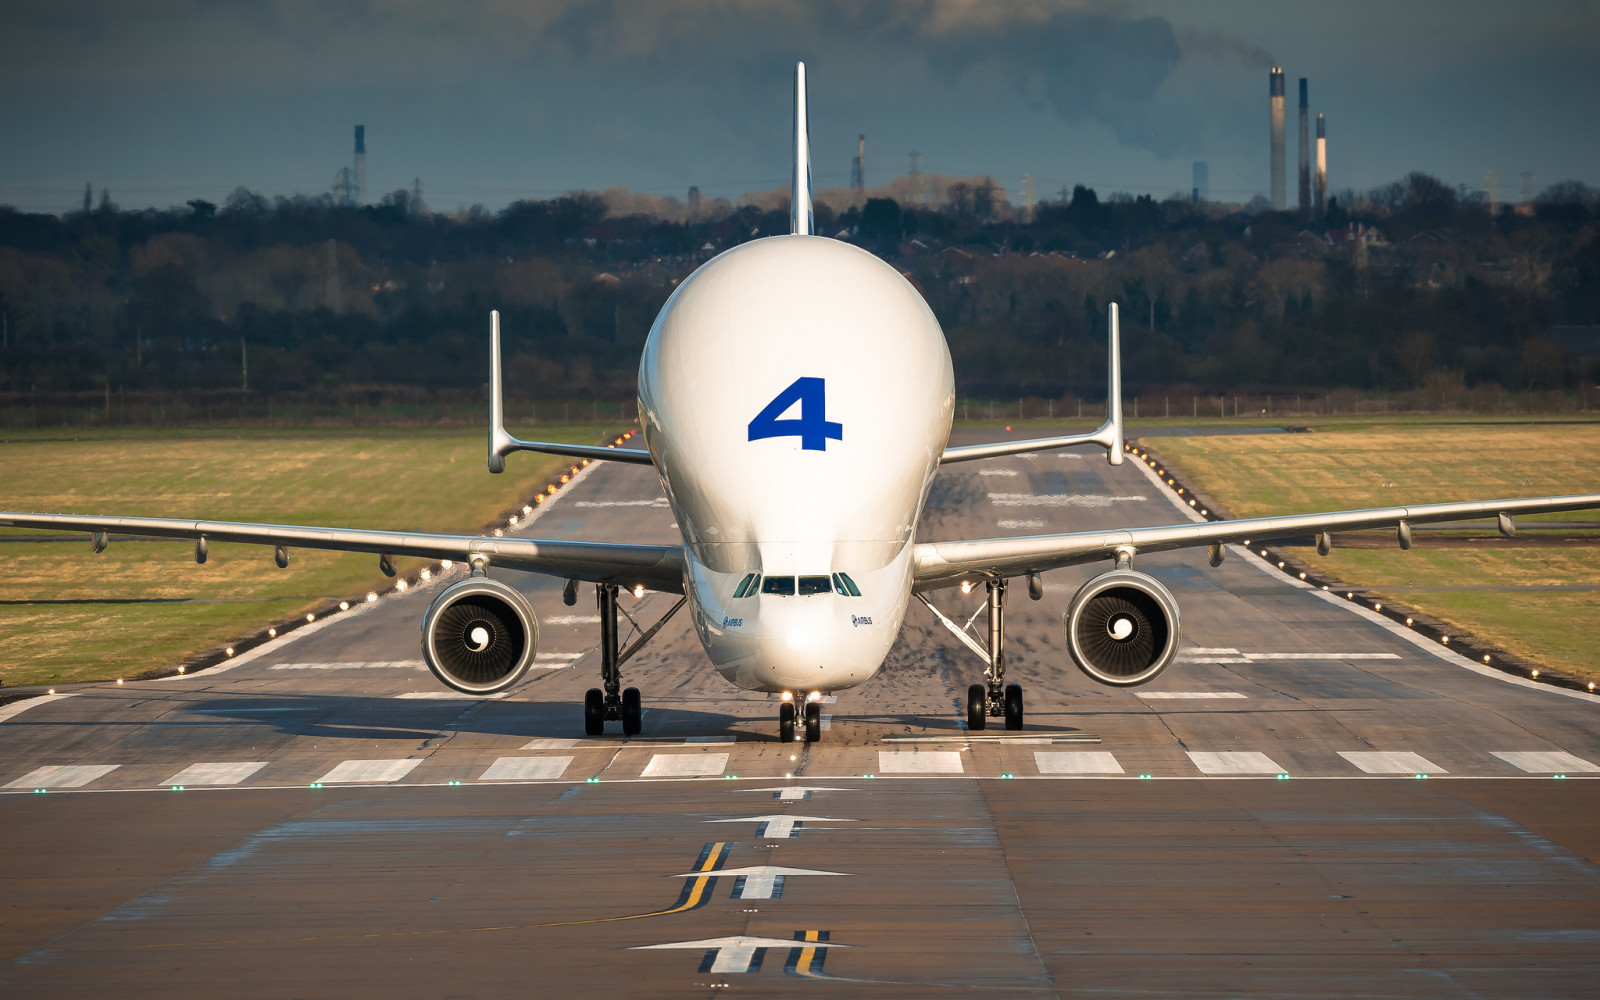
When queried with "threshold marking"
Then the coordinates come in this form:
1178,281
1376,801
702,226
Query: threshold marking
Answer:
1545,761
63,776
1186,695
216,774
685,765
373,771
1391,762
549,743
1076,762
779,827
525,768
449,696
920,762
1234,762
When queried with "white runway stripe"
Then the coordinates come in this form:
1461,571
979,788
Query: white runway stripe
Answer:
998,472
216,774
16,708
1012,525
1059,500
1546,761
920,762
525,768
1391,762
449,696
1186,695
63,776
549,743
354,665
1235,762
363,771
570,620
685,765
658,502
1076,762
1234,656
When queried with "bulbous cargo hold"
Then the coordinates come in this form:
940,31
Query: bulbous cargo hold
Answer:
1123,628
479,636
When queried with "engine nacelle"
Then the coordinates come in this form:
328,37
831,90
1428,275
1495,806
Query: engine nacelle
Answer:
1122,628
479,636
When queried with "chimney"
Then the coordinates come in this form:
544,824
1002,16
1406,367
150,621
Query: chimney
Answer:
361,164
1202,182
1275,96
1322,166
1305,150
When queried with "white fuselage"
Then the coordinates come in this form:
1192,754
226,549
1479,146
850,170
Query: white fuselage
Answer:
813,499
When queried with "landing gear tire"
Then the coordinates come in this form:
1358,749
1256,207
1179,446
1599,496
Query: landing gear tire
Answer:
1013,706
786,722
813,721
594,712
632,712
977,707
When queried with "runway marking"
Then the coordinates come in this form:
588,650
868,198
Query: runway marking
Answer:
685,765
658,502
827,723
16,708
805,960
779,826
1234,762
729,954
1183,695
354,665
1076,762
1069,454
1391,762
449,696
984,737
525,768
998,472
373,771
550,743
1197,655
252,711
215,774
1059,499
710,739
763,881
920,762
565,658
1012,525
1546,761
570,620
63,776
795,793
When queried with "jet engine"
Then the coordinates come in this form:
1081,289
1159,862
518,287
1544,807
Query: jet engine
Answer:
479,636
1122,628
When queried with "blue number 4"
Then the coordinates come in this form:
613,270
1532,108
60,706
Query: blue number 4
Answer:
813,428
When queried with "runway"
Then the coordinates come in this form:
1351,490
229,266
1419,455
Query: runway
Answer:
1309,803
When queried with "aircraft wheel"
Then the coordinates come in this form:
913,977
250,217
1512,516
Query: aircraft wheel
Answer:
1013,706
786,722
813,721
594,712
632,712
977,707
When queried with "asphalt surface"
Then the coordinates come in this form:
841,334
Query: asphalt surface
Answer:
1310,803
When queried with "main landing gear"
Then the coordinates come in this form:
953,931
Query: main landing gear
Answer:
616,703
809,713
994,698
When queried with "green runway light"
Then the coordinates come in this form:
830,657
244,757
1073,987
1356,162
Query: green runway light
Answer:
1283,777
455,782
1144,777
1008,776
869,775
177,788
316,784
1422,777
591,781
1560,776
40,791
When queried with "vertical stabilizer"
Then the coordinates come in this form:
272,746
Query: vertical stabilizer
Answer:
800,219
1113,425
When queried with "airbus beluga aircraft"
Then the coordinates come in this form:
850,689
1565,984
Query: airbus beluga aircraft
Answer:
796,398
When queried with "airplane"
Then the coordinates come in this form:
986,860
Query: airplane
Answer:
796,396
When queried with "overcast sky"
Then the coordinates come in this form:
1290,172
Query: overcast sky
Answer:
486,102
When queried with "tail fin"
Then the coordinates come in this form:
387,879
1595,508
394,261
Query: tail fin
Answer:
801,221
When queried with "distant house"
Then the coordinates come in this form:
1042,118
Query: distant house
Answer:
1356,233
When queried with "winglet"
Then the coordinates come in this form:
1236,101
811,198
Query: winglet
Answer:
500,443
1110,435
801,221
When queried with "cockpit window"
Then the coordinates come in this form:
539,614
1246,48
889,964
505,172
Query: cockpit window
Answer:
810,585
844,586
780,586
747,586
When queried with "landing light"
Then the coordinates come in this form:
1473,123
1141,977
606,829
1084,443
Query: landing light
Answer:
814,696
966,586
787,696
638,590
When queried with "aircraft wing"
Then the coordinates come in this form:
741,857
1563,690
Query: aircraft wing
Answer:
944,564
657,567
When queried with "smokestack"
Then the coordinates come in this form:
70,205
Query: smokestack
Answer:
1275,94
361,164
1202,181
1322,166
1305,150
858,169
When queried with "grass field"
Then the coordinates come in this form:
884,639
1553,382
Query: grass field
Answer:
147,604
1346,466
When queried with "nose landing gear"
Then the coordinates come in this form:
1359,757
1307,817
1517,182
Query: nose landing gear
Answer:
789,713
786,722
